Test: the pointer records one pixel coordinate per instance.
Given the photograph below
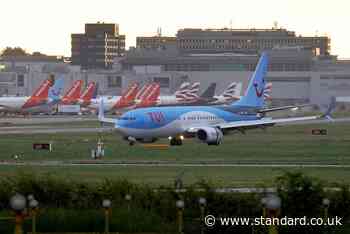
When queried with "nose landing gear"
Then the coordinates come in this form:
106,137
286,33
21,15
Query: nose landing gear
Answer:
176,140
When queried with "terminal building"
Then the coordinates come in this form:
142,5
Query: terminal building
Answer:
246,40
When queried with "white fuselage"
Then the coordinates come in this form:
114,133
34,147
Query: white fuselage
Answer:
13,103
108,102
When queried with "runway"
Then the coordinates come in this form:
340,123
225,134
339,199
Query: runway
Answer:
32,126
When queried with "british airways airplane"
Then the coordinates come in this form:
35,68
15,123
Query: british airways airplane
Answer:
207,123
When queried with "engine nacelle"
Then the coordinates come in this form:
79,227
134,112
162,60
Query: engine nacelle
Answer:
210,135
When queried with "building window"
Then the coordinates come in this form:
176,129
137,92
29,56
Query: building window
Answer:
20,80
164,82
114,81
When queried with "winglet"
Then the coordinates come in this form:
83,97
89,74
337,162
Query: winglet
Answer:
101,113
330,109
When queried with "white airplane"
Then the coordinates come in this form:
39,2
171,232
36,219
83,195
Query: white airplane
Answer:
185,94
207,123
42,99
230,94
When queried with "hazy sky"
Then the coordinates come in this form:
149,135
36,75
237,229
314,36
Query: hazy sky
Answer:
45,26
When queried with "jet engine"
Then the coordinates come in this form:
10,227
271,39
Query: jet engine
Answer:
210,135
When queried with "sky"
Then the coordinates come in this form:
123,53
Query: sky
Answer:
46,26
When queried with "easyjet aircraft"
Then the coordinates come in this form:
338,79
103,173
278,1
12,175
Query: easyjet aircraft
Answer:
73,94
150,97
88,94
48,93
117,102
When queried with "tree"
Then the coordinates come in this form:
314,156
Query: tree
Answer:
16,51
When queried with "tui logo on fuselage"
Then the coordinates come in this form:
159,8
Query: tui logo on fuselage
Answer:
156,117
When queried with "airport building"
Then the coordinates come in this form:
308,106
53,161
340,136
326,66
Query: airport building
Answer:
154,42
297,74
246,40
98,46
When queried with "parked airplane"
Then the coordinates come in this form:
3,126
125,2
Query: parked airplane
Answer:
89,93
230,94
117,102
150,98
72,95
42,99
207,123
185,94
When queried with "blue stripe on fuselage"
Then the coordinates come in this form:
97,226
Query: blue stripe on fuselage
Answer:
157,117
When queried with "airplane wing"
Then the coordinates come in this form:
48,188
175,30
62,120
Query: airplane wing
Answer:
101,115
250,124
283,108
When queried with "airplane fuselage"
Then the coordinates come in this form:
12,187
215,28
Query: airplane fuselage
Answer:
23,104
160,122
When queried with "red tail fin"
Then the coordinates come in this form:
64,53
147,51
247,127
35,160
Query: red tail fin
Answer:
143,92
40,95
88,93
151,98
73,93
43,90
128,96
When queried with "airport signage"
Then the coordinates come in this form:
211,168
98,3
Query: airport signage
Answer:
319,132
42,146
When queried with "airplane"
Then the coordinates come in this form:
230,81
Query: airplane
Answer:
88,94
150,98
117,102
230,94
190,96
42,99
185,94
73,94
207,123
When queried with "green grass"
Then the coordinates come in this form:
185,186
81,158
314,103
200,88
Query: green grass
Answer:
280,145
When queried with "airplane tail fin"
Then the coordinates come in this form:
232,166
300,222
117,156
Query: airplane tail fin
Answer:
43,90
233,91
152,96
210,91
192,93
254,96
183,89
268,91
128,96
88,92
73,93
56,90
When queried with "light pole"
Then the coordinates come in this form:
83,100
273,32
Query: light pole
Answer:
180,207
34,208
128,200
263,204
202,204
106,204
273,206
326,202
18,204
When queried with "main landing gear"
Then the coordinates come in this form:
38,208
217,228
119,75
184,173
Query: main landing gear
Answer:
176,140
